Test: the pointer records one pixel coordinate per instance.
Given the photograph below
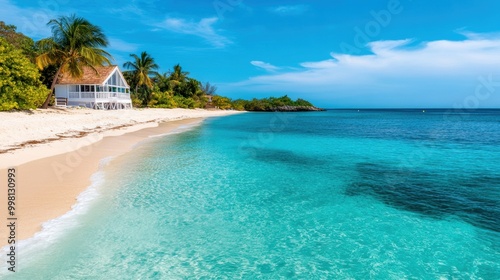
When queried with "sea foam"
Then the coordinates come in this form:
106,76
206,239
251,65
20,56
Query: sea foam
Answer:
54,229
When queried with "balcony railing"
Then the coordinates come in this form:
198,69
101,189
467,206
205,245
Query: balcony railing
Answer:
99,95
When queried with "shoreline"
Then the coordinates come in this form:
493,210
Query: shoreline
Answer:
52,175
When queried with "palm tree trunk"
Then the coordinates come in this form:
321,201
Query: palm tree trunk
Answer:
52,87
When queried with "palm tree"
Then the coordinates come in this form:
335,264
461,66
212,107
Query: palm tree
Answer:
162,81
142,69
75,43
178,75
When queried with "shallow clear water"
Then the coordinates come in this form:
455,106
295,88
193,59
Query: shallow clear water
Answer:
338,194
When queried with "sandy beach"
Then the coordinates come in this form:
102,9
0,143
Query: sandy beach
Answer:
55,152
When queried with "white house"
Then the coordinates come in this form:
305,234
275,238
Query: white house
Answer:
106,89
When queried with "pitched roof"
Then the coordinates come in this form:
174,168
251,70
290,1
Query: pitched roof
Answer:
90,77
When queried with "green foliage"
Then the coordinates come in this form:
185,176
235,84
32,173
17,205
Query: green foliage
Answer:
145,94
20,87
18,40
75,43
142,68
29,49
302,102
130,78
268,104
162,81
239,104
47,75
258,105
168,90
183,102
178,74
161,99
221,102
136,101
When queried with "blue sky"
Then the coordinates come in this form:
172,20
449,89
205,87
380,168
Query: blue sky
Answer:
338,54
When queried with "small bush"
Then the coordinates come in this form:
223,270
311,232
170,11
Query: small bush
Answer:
20,86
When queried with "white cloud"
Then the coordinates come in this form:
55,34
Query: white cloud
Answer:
439,72
290,10
264,65
122,46
129,9
29,21
203,29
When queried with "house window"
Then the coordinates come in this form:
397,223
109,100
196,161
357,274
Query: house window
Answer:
87,88
120,81
112,80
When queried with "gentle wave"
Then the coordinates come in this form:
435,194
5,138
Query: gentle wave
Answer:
54,229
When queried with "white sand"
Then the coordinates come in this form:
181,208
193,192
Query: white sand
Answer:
30,136
51,175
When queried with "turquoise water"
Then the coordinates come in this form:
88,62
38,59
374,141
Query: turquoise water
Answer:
329,195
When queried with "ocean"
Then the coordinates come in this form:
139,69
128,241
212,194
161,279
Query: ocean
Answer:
341,194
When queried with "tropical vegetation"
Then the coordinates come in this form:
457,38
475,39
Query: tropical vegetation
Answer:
176,89
29,72
75,43
18,40
271,104
20,85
